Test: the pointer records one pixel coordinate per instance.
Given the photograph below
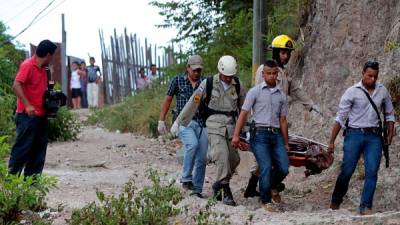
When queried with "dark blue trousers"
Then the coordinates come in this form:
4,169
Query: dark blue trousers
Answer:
29,151
357,144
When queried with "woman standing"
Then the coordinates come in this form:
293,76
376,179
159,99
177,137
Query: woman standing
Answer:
84,81
76,85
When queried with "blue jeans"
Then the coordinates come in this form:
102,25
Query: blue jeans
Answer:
356,143
269,149
194,138
29,151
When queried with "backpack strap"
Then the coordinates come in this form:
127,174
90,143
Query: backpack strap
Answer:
237,88
209,87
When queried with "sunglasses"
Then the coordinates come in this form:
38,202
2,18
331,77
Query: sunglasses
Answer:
371,64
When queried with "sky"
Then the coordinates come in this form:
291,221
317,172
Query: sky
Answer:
83,19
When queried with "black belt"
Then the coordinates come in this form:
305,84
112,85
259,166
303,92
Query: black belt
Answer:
366,129
269,129
25,114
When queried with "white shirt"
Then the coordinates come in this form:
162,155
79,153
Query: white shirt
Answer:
225,85
75,83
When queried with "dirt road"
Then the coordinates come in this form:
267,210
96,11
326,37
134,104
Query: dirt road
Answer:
106,160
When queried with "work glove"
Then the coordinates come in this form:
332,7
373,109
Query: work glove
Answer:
316,109
175,129
162,129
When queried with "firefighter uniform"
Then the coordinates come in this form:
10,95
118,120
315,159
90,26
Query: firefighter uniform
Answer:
220,125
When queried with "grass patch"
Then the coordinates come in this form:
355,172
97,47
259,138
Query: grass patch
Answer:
136,114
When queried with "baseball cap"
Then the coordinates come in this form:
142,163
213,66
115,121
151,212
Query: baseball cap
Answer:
195,62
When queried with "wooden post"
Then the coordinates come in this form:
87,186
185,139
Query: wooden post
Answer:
116,60
128,62
114,73
137,62
64,77
146,56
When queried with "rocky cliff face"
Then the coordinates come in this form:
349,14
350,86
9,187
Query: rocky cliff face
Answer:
339,37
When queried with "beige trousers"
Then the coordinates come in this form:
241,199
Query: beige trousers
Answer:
224,155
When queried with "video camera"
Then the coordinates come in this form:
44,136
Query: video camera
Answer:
53,99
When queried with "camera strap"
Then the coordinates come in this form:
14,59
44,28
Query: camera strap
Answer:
50,80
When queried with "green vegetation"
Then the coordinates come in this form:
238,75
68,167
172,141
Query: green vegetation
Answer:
206,216
17,193
66,126
10,57
137,114
154,205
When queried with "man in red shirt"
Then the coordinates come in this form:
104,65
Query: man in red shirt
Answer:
30,84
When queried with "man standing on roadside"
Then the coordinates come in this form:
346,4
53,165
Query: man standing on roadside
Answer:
359,115
194,134
93,75
29,151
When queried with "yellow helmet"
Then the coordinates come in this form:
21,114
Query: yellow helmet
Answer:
282,41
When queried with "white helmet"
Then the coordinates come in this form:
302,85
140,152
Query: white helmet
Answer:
227,65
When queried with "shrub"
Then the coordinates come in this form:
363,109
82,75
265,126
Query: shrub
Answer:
153,205
207,217
4,147
66,126
7,109
19,193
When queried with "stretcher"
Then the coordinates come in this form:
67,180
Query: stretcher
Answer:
303,152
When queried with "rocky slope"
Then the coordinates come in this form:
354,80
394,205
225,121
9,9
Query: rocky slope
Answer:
339,37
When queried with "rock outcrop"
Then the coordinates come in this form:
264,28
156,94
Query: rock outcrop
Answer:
339,37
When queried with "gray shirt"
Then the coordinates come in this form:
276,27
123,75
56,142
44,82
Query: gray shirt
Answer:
266,104
355,106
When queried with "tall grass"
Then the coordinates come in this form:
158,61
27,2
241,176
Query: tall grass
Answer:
138,114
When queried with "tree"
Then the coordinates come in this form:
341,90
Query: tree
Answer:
10,57
197,20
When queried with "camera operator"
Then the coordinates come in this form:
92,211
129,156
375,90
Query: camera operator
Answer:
30,84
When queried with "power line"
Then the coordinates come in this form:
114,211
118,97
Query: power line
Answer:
22,11
48,12
31,23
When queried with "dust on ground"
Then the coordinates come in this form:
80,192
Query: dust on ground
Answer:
103,160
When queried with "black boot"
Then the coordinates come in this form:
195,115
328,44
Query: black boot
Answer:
217,189
228,197
280,187
251,187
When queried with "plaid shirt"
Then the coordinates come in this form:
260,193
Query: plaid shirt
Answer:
181,87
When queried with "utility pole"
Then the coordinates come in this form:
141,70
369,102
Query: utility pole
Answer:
64,78
259,32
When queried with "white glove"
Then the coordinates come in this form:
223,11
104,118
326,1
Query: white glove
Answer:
162,129
175,129
316,109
